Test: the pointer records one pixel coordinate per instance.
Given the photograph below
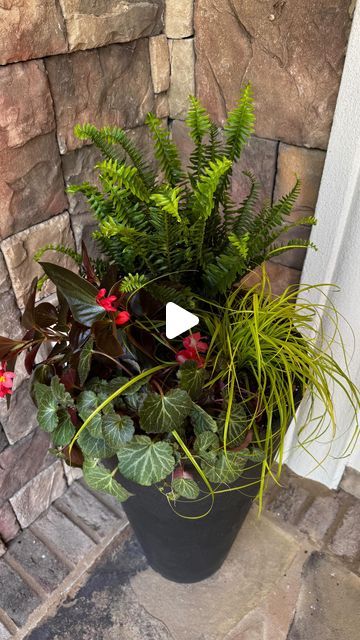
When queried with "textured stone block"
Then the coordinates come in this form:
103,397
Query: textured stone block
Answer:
258,157
38,494
16,598
31,184
346,541
30,30
9,526
9,311
90,511
160,63
2,550
78,167
83,226
162,107
289,502
63,534
351,482
38,561
26,105
319,518
292,53
19,251
90,25
281,277
4,633
328,604
72,473
308,164
182,60
109,86
179,18
20,419
21,462
3,440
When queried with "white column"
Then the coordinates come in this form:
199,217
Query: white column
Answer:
337,261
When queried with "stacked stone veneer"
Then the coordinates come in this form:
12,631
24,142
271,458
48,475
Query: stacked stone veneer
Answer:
110,62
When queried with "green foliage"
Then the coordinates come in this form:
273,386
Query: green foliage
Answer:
164,413
100,479
184,225
191,378
146,462
185,488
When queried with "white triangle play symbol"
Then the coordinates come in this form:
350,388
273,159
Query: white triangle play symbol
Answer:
178,320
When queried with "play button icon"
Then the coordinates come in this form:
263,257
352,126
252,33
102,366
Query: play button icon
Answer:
178,320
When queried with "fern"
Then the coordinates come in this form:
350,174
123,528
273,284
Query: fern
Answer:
239,125
182,226
165,151
168,201
59,248
106,138
132,282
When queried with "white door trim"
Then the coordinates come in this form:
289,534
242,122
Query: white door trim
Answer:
337,236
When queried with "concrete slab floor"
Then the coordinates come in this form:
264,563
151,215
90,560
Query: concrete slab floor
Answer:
275,585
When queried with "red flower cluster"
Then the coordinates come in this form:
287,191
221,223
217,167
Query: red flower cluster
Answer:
6,380
107,303
193,348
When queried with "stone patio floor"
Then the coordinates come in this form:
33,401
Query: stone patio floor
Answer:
292,574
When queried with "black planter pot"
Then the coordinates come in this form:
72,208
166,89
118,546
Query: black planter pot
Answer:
181,549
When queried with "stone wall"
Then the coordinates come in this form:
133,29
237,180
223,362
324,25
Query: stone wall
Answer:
69,61
61,62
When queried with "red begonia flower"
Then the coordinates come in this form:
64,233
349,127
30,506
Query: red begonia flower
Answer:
189,354
122,318
105,301
6,380
194,342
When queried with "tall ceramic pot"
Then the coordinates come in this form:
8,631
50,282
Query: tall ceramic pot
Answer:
180,548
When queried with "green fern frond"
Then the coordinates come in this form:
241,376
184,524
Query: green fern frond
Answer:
240,243
132,282
168,200
97,201
105,139
197,120
206,187
59,248
225,270
114,175
165,151
246,213
239,125
294,243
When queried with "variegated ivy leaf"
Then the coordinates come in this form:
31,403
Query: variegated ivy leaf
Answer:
191,378
146,462
206,441
117,430
237,428
47,407
186,488
85,360
201,420
65,430
62,397
94,447
227,467
86,403
100,479
164,413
